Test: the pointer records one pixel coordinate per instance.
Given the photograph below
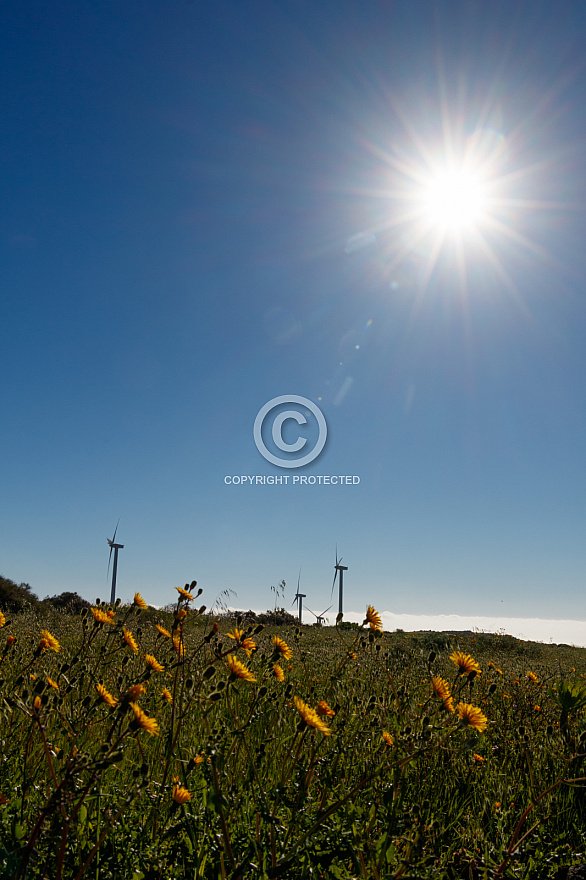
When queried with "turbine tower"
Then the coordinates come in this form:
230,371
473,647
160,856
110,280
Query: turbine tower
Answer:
115,547
299,597
339,570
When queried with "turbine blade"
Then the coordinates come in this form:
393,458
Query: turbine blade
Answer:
333,584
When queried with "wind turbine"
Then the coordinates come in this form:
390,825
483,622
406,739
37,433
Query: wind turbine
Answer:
115,547
299,597
319,618
339,569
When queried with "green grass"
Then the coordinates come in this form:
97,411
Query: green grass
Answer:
87,791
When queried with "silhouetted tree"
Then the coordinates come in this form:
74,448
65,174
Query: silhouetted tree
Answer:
16,597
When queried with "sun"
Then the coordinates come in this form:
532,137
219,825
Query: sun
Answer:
454,199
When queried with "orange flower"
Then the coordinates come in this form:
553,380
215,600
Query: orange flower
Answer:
324,710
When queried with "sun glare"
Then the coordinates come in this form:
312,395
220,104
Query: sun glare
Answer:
454,199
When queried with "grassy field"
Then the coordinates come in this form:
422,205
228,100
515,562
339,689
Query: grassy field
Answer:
143,744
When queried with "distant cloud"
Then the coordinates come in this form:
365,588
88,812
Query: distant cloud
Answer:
571,632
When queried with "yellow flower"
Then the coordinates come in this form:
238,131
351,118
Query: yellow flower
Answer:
478,758
311,717
282,648
49,641
163,631
324,710
181,614
388,738
448,704
278,672
199,759
101,616
499,671
181,795
142,720
184,594
532,677
178,644
139,602
465,663
239,669
129,639
166,693
133,693
153,663
242,641
373,618
441,688
52,683
471,716
2,619
106,696
110,615
352,655
37,703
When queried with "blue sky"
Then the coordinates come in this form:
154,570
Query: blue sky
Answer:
207,206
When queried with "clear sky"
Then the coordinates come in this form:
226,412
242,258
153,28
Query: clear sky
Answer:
209,205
